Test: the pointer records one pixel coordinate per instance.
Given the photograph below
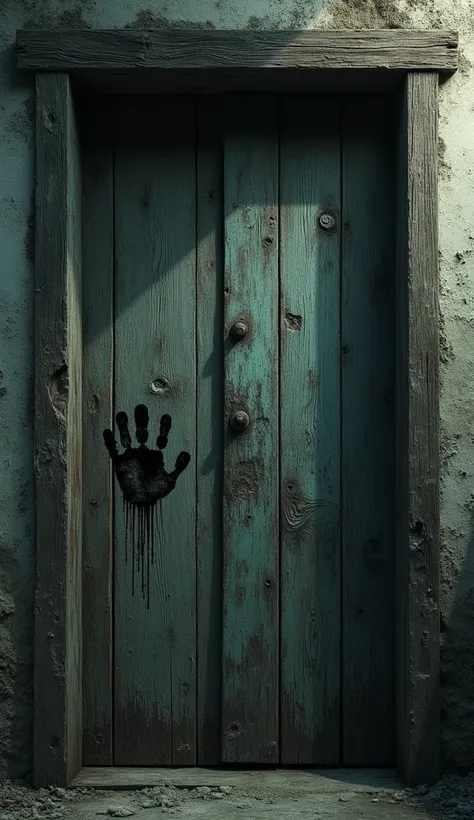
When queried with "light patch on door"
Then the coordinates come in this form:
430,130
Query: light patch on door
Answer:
144,483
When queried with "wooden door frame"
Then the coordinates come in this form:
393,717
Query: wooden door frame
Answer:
407,64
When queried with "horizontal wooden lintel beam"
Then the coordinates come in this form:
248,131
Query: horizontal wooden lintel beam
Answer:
124,50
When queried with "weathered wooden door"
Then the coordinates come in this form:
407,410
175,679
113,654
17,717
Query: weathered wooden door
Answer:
238,266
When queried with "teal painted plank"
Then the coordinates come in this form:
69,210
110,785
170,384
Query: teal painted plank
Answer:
310,432
210,410
97,258
155,301
367,435
250,632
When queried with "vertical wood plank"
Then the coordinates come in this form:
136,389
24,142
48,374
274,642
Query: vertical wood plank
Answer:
97,251
155,207
401,438
367,435
310,432
57,434
251,572
210,411
417,437
73,262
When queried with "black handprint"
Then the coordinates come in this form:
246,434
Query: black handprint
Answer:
144,481
139,470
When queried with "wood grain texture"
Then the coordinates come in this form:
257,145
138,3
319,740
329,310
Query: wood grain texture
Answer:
210,411
367,326
57,437
418,538
243,50
310,432
251,573
155,304
98,255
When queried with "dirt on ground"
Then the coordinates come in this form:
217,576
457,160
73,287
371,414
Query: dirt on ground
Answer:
451,799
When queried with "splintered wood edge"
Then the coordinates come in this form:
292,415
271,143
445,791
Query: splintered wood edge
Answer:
255,51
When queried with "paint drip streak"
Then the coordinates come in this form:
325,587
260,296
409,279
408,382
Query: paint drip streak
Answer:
141,545
126,509
140,531
132,539
152,525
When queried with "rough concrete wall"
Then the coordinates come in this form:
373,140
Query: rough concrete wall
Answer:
16,317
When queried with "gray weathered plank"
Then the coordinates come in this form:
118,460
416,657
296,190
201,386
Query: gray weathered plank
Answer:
367,446
58,437
155,231
251,572
302,781
242,50
97,256
310,431
210,411
417,432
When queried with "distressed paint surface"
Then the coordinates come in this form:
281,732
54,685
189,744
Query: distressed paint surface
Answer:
237,714
98,250
155,300
367,317
310,432
210,411
250,631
